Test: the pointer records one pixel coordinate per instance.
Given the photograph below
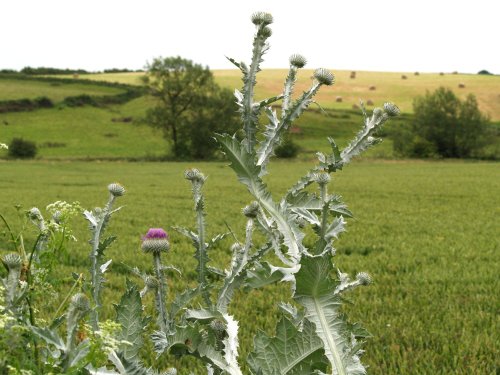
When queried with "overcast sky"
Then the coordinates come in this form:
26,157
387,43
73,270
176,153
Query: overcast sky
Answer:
383,35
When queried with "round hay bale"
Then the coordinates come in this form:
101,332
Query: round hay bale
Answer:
461,85
441,74
338,99
369,102
355,106
404,77
373,88
353,75
417,73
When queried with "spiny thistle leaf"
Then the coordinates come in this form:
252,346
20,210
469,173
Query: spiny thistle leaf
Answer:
129,315
315,290
292,351
248,174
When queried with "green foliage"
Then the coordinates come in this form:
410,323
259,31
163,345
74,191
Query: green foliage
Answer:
444,126
484,72
22,149
288,149
189,106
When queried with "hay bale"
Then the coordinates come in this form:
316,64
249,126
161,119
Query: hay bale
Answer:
404,77
338,99
355,106
75,76
417,73
372,88
441,74
353,75
369,102
461,85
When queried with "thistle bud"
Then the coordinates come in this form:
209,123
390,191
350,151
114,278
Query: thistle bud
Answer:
252,210
322,178
155,241
13,261
298,61
266,32
80,302
194,175
364,278
262,18
301,222
391,109
116,189
324,76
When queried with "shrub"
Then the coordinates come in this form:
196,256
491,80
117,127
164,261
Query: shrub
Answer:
287,149
22,149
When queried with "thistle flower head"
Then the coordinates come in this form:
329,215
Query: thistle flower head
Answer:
116,189
13,261
322,178
364,278
194,175
266,32
252,210
262,18
217,325
155,241
298,61
301,222
391,109
80,302
324,76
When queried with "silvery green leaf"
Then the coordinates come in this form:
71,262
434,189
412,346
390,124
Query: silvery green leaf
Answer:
129,315
129,367
202,314
90,217
291,351
182,299
262,274
311,217
248,173
315,291
49,336
104,266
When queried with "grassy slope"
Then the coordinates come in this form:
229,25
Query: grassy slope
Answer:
11,89
425,231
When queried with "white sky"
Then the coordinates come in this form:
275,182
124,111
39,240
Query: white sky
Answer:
379,35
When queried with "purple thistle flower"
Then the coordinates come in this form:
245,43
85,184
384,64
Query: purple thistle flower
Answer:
155,233
155,241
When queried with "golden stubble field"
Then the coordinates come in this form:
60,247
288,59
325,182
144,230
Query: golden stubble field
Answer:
388,86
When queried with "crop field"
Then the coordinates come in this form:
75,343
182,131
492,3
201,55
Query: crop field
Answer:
426,231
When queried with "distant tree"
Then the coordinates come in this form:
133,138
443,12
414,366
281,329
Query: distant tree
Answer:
443,126
188,106
484,72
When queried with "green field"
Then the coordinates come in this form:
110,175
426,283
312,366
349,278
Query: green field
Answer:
12,89
426,231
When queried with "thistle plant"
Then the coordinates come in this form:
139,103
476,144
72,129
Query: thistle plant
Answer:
313,335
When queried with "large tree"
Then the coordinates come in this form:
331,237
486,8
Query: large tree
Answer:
188,106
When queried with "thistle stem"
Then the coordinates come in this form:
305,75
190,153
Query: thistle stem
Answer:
161,293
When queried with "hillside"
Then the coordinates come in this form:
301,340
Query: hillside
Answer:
111,131
388,86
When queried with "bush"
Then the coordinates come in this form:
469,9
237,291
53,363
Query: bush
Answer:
443,126
22,149
484,72
287,149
